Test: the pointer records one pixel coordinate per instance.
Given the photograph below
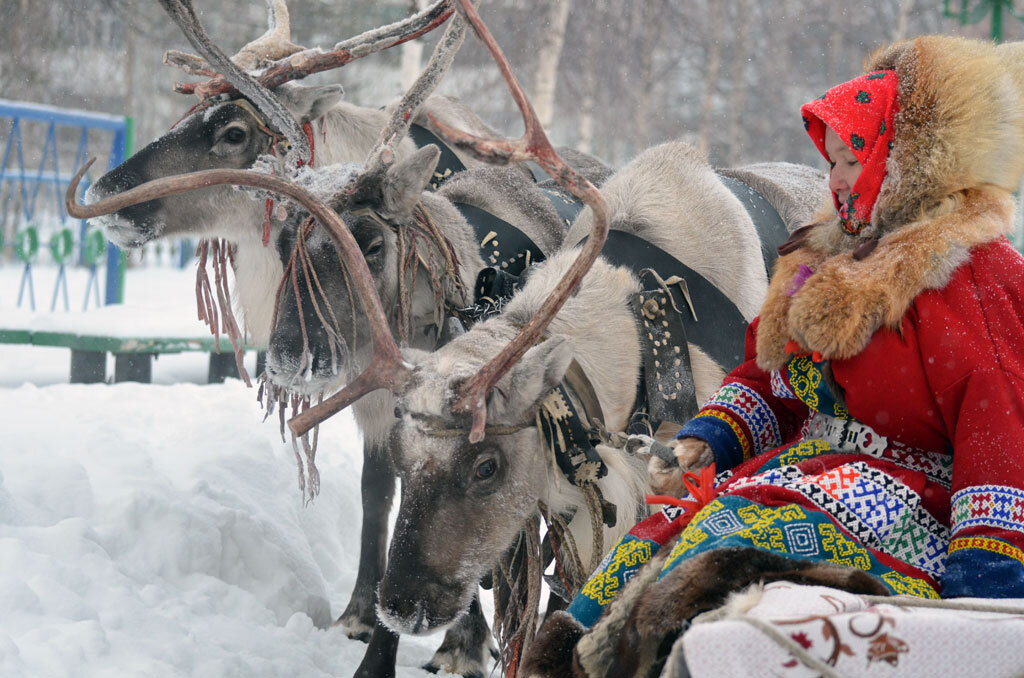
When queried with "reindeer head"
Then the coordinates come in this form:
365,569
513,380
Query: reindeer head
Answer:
226,135
463,503
247,108
316,342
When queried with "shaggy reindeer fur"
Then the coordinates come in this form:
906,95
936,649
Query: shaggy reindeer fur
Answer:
451,527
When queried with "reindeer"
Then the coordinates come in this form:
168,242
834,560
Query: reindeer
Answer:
444,412
229,130
232,133
464,501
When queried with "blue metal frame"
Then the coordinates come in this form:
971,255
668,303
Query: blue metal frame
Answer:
86,121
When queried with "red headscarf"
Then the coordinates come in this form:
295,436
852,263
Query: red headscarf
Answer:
861,112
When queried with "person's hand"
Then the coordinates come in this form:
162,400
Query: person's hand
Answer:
692,454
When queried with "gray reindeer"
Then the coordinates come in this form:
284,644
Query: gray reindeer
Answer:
464,501
508,192
232,132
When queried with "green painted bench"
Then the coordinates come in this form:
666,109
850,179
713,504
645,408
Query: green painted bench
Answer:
133,356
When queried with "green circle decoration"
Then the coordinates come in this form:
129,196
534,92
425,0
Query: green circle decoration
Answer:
26,243
61,244
93,247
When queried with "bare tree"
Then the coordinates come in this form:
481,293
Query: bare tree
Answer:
548,56
711,80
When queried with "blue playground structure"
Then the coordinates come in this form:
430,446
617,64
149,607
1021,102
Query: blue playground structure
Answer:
33,196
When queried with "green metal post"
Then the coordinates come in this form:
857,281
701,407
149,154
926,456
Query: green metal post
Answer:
997,20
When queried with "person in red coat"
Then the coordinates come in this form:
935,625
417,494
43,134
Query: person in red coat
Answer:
893,329
873,439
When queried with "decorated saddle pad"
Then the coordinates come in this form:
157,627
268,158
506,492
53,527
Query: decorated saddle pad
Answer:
839,493
845,635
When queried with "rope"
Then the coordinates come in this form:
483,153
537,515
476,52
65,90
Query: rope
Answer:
563,546
909,601
792,646
596,523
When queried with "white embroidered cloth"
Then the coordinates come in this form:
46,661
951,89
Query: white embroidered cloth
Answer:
850,636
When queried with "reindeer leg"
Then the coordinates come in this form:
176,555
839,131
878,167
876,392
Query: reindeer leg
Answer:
378,490
379,660
466,645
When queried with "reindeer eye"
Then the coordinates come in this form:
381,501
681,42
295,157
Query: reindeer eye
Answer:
486,469
235,135
375,248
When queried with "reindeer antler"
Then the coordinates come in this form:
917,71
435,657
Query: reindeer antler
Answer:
309,61
380,157
532,145
387,370
184,15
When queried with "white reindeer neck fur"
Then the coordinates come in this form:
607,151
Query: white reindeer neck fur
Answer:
670,196
605,344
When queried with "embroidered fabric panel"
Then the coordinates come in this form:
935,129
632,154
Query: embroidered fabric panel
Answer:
937,466
622,562
790,530
987,544
807,381
780,388
996,506
749,407
880,511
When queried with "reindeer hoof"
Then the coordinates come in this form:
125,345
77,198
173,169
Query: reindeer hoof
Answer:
355,627
452,663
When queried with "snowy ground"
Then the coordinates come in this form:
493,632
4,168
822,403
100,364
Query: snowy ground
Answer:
157,530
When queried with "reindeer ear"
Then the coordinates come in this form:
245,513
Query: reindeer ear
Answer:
407,179
530,379
307,103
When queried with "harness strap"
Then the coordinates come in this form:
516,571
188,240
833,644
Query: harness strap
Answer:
719,329
502,245
771,229
566,204
447,165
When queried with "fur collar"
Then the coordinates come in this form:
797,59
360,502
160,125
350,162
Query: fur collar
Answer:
957,156
845,301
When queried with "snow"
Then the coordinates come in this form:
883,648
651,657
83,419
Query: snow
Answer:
157,529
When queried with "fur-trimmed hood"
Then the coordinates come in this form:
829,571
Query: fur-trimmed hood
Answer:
957,157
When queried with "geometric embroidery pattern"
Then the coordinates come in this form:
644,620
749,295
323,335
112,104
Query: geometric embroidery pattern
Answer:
844,551
790,530
809,385
628,556
780,389
990,506
723,523
737,430
803,450
879,510
908,586
747,405
987,544
801,540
